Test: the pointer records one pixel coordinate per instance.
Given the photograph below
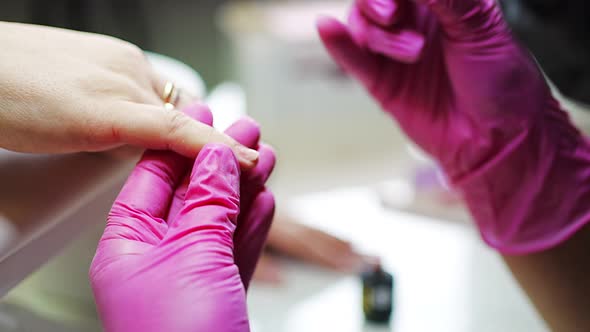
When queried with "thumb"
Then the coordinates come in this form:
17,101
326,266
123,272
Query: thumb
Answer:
359,63
212,202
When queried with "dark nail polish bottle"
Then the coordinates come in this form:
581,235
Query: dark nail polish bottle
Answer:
377,294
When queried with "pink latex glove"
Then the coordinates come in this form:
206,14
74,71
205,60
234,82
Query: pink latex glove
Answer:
168,259
461,87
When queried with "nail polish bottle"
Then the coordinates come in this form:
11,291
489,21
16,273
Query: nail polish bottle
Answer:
377,294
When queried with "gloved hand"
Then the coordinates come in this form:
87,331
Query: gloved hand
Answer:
461,87
177,255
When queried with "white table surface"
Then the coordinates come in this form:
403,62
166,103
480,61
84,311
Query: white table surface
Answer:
445,278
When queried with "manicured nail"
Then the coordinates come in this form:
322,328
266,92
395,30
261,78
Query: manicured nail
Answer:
247,154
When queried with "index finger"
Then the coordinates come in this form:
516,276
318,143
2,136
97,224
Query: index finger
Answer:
155,127
141,207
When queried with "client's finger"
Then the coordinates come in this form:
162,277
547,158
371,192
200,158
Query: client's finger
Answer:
139,211
157,128
246,132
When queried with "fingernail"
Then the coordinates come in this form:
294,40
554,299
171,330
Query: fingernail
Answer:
247,154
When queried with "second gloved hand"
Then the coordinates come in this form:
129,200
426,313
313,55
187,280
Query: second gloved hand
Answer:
461,87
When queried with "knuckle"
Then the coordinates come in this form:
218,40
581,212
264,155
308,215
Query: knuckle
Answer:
176,124
119,87
129,52
214,140
127,89
92,133
117,47
208,134
133,51
127,58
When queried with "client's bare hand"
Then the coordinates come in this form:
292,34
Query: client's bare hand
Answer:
65,91
289,237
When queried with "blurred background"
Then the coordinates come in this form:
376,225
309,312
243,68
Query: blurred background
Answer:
344,169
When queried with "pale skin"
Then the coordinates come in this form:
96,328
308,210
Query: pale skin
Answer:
65,91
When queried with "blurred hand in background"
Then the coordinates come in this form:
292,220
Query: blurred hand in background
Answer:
290,238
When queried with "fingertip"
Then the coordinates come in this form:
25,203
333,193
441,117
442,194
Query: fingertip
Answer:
270,150
263,209
347,48
267,156
258,176
200,112
248,158
264,206
250,121
329,27
334,34
322,21
245,131
267,200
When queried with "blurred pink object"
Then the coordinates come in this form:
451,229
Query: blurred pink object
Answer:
178,255
461,87
431,180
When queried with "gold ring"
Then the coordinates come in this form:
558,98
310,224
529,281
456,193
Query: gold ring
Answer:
170,95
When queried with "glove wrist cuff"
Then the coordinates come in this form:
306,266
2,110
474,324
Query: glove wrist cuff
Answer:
535,193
